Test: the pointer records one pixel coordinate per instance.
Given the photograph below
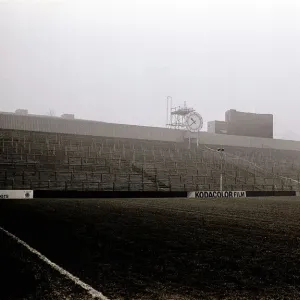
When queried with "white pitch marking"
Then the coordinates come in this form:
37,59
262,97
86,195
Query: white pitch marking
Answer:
94,293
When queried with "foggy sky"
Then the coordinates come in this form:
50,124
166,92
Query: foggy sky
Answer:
118,60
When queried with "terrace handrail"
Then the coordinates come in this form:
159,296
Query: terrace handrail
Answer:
257,167
84,185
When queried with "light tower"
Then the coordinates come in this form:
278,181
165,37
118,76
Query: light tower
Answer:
176,116
185,118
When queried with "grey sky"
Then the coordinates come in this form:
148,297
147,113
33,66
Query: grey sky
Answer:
117,60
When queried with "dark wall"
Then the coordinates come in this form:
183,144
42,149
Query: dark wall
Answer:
249,124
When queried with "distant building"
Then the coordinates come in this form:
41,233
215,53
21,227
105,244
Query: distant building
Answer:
249,124
219,127
243,124
21,111
68,116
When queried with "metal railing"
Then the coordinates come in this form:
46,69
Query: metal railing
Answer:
129,186
44,155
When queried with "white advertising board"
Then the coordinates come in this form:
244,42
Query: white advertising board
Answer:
217,194
16,194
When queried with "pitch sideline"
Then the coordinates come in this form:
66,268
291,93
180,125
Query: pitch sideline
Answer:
94,293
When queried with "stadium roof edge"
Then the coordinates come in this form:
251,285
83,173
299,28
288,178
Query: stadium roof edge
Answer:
49,124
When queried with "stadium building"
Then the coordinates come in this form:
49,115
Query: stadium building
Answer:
46,152
144,248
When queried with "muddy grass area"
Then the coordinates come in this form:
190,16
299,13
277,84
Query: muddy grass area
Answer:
165,248
24,276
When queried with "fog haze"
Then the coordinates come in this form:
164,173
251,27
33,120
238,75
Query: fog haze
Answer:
118,60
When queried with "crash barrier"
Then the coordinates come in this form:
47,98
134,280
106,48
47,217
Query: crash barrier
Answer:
29,194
